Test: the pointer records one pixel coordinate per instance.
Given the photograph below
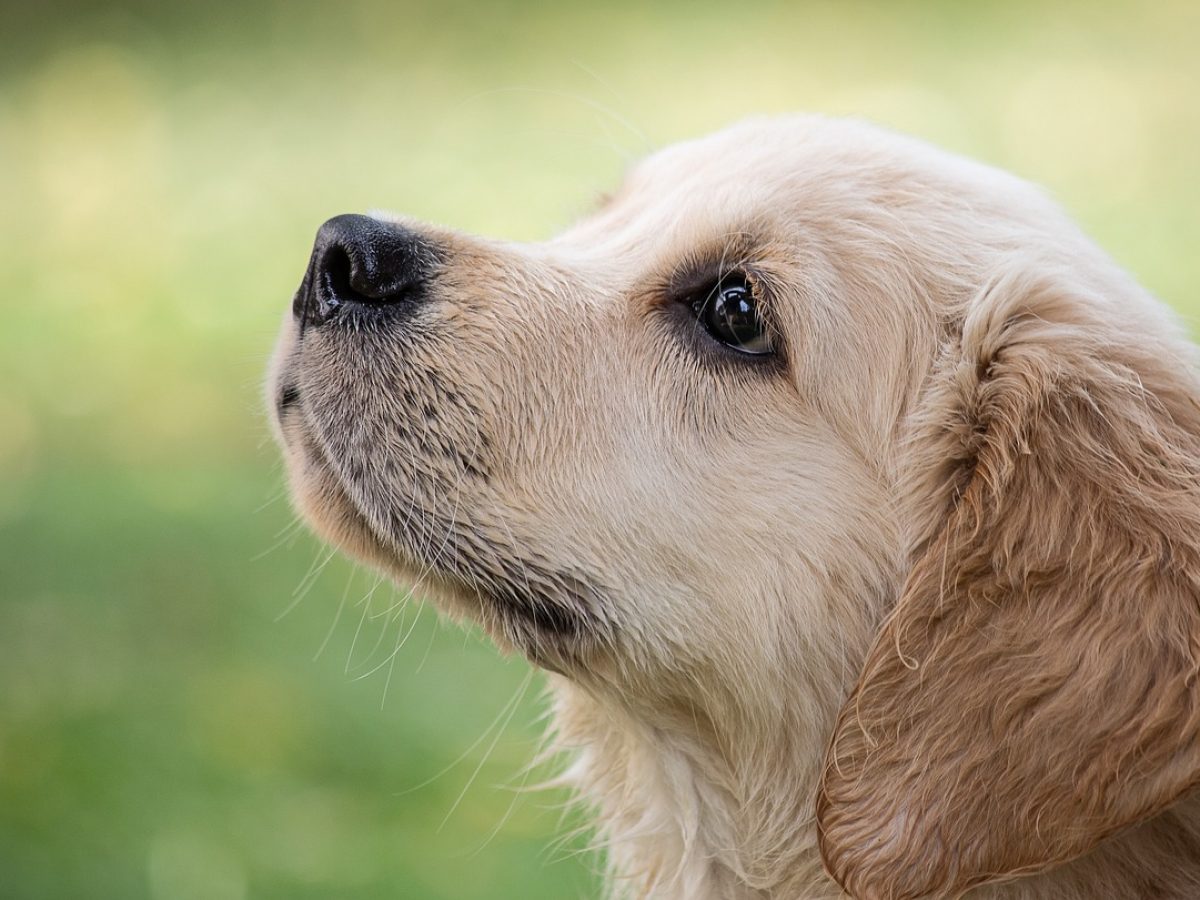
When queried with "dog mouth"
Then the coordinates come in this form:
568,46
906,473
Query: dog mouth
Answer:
286,399
471,568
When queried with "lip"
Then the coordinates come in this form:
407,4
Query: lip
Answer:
286,398
550,615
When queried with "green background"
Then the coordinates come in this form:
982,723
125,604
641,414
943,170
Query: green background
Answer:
184,713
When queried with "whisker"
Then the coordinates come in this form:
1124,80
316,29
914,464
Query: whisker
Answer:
307,582
282,536
363,618
337,615
395,650
492,746
564,95
514,699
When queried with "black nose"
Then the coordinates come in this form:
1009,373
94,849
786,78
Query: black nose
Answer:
362,264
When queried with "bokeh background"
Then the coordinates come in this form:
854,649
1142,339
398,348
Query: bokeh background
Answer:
196,701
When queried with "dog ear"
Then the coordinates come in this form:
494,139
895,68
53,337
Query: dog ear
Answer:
1035,688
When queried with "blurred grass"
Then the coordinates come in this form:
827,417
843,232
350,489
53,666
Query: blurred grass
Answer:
164,731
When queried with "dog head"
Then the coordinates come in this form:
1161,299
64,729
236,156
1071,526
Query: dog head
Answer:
810,430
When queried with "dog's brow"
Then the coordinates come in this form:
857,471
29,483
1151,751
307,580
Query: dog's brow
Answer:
711,263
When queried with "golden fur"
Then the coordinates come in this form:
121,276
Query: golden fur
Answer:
912,608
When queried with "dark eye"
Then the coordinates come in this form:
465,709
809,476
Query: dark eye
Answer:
729,312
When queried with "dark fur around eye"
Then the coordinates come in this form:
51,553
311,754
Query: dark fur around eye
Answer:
724,302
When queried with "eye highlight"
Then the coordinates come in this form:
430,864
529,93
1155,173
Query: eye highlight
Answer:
728,311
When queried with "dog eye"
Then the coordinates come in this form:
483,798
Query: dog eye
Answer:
729,312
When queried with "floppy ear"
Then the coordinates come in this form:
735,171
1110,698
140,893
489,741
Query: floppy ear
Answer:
1035,688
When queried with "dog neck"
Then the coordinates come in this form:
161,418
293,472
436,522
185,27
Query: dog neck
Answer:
684,813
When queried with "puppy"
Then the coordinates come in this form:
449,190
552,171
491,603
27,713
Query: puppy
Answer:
848,494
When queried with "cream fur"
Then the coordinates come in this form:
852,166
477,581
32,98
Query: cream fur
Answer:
841,545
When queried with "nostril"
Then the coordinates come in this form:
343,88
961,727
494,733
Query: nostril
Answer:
355,277
363,261
333,280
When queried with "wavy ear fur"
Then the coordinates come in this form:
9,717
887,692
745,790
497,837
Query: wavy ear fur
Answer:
1035,688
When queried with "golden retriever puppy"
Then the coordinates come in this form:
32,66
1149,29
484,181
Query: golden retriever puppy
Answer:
848,494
